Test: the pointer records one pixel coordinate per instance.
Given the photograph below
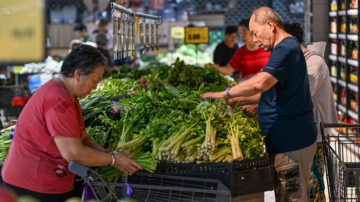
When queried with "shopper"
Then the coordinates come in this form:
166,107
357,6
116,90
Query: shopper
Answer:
324,106
50,133
102,42
81,32
102,27
248,59
285,110
225,50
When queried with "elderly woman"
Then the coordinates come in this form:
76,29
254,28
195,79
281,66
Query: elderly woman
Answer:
50,133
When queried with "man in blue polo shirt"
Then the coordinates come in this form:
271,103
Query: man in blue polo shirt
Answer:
285,111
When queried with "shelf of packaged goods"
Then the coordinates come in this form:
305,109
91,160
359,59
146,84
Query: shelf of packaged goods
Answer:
342,12
352,12
342,59
353,62
342,108
353,37
333,14
342,36
332,36
333,80
333,57
342,83
352,87
353,114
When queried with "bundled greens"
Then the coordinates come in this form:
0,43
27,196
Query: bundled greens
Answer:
166,118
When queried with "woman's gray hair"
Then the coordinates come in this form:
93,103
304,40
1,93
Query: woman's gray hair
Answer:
263,14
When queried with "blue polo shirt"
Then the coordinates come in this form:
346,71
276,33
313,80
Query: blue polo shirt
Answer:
285,111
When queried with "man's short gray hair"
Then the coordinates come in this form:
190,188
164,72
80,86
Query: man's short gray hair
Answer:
263,14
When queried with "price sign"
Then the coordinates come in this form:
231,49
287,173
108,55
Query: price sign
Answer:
196,35
177,32
22,31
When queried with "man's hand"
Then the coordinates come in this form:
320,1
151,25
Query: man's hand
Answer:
249,110
214,95
232,102
125,164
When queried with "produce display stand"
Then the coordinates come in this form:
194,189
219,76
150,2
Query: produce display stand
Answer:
241,177
342,153
153,187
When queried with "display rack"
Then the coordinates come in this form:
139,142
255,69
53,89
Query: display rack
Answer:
343,59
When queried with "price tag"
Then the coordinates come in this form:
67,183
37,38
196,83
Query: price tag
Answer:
22,35
177,32
196,35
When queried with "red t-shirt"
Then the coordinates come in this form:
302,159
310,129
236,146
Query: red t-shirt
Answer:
34,161
249,62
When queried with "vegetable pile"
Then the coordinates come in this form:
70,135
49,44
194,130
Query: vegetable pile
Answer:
165,116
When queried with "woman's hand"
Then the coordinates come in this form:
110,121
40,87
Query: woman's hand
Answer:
215,95
249,110
125,164
232,102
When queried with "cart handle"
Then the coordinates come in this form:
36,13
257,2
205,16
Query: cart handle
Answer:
336,125
78,169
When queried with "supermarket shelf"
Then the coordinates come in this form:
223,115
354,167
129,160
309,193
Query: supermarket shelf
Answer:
353,114
333,79
342,59
342,83
353,62
333,14
353,37
342,12
353,87
342,108
352,12
332,57
342,36
332,36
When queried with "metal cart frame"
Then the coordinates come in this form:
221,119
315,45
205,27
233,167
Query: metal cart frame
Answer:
152,187
342,154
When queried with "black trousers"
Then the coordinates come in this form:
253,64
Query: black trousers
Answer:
40,196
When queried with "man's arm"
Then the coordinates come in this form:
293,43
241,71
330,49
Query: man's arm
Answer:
260,83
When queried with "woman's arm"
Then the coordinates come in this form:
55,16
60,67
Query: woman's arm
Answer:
73,149
87,141
244,100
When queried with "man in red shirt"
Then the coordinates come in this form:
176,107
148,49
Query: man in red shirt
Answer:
248,59
50,133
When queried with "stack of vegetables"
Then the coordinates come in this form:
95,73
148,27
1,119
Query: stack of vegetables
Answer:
5,141
166,117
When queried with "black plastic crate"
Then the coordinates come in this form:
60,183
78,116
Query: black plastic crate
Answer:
240,177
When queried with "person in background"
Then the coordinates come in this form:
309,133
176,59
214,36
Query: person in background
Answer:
102,42
102,27
324,106
286,116
74,44
225,50
248,59
94,33
81,32
50,133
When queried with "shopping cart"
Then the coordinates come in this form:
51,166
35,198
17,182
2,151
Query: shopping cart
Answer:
147,187
342,154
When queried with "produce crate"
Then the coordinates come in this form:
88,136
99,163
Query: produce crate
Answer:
240,177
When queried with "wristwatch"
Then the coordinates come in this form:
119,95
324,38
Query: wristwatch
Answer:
227,92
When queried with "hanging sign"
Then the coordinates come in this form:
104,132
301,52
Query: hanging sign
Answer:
22,31
177,32
196,35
